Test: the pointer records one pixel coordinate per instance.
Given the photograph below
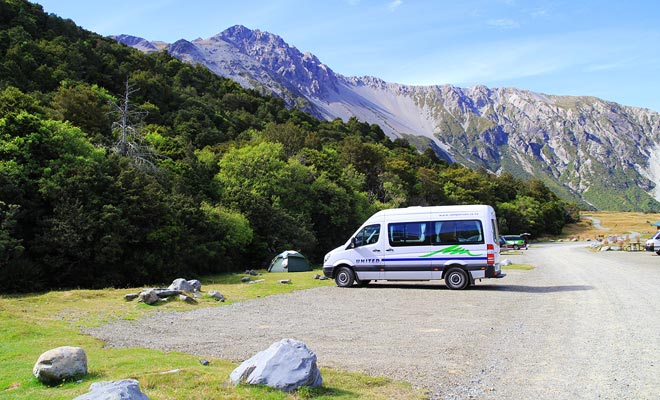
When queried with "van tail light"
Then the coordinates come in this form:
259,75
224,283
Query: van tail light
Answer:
490,254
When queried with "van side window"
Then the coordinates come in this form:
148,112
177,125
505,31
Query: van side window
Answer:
409,234
368,235
457,232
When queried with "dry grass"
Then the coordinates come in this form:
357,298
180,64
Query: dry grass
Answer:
614,223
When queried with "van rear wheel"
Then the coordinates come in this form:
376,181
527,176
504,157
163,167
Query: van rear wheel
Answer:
345,277
456,279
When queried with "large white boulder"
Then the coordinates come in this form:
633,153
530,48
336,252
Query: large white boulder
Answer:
61,363
182,284
286,365
126,389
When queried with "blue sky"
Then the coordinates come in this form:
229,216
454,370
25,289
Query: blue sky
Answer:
608,49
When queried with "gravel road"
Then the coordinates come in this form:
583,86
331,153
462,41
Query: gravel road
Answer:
581,325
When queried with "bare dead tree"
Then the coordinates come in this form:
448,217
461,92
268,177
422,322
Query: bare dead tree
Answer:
128,128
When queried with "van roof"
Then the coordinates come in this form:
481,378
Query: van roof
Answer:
473,208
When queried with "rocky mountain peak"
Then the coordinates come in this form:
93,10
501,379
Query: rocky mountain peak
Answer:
301,72
139,43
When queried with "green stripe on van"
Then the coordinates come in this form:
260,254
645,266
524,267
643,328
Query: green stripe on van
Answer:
453,250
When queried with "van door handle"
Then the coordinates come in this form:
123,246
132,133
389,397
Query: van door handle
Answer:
389,250
375,251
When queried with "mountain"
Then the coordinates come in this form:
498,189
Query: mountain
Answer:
601,154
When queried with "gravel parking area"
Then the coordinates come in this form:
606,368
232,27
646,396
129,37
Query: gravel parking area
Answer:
581,325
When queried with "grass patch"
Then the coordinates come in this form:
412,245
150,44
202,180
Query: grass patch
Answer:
34,323
615,223
522,267
511,252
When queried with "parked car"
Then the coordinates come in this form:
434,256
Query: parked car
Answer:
653,244
515,242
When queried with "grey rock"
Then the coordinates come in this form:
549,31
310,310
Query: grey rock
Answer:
323,278
217,295
126,389
163,293
181,284
187,299
286,365
284,281
196,285
505,262
245,279
317,276
59,364
251,272
131,296
204,362
149,296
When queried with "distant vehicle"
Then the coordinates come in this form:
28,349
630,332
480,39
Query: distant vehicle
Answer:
653,244
515,242
502,242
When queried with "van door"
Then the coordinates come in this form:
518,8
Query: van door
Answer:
367,250
406,246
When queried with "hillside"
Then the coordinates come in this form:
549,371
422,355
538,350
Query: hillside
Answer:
601,154
237,177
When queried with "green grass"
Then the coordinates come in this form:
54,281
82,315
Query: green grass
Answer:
522,267
34,323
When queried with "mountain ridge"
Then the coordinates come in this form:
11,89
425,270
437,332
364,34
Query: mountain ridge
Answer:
599,153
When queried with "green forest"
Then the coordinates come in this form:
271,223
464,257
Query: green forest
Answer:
227,178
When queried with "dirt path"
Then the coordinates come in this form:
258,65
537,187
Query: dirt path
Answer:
581,325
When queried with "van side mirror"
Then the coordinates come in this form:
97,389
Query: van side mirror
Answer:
353,243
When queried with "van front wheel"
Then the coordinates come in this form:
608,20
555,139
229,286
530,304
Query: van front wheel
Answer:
345,277
456,279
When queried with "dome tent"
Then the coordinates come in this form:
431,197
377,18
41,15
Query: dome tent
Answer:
289,261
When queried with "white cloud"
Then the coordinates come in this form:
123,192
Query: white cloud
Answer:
394,4
504,23
503,60
540,13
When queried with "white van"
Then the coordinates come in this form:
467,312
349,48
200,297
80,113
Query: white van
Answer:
653,244
456,243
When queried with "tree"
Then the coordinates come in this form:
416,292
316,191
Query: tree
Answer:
131,143
86,107
10,246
